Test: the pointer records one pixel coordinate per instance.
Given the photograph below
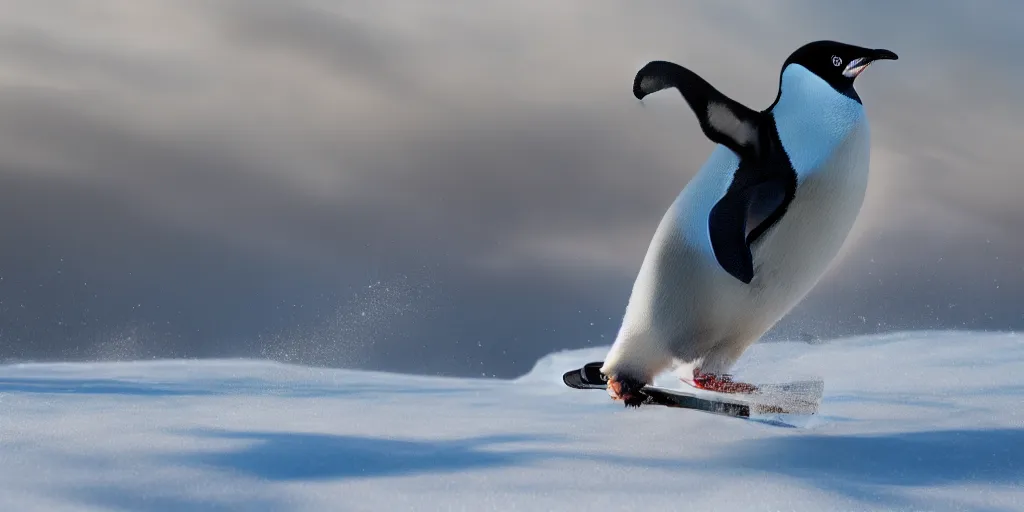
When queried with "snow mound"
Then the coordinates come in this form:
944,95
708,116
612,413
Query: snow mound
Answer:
549,369
909,421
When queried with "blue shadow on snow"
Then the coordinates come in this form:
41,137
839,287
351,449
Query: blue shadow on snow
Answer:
286,456
847,464
916,459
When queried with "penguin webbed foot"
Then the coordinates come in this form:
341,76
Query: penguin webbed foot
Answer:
721,383
627,389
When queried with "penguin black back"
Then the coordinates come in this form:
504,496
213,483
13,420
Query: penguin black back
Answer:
763,184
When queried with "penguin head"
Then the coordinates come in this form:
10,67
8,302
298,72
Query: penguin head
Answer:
839,64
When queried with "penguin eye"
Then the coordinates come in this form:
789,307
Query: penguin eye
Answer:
836,61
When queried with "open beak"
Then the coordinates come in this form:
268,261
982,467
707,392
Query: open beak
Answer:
857,66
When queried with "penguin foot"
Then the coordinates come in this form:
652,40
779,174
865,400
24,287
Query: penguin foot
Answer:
626,389
720,383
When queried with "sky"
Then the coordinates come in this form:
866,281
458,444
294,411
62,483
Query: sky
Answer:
446,188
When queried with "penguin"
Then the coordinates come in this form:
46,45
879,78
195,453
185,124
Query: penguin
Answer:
758,225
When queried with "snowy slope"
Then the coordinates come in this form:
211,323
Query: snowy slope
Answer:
916,421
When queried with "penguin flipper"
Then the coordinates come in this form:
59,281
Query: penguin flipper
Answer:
723,120
739,218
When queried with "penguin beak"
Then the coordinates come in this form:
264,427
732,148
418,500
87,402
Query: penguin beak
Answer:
857,66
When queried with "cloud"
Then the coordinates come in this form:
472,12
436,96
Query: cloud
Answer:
220,160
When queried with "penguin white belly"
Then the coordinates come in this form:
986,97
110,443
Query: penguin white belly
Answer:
827,141
792,256
684,307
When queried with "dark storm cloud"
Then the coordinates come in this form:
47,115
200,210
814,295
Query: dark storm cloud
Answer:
443,188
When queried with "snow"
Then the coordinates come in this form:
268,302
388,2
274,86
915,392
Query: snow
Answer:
909,421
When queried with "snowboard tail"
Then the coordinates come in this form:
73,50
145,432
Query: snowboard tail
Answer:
800,397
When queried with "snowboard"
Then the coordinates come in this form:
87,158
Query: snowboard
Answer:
797,397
